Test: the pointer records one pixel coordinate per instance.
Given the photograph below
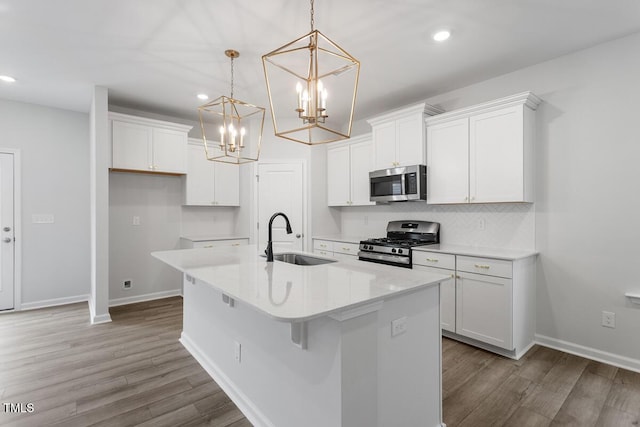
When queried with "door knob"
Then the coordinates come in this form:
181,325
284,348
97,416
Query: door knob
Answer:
298,236
7,229
7,239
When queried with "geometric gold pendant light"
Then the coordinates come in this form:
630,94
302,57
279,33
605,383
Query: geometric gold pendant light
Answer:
312,85
238,126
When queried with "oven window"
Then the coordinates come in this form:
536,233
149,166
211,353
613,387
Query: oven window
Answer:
386,186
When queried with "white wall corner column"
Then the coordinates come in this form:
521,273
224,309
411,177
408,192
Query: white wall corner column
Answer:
99,180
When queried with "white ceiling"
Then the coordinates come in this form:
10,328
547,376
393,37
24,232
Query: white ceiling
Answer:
156,55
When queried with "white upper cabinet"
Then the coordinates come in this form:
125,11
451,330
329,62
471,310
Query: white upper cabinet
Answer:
140,144
398,136
484,153
448,162
348,167
209,183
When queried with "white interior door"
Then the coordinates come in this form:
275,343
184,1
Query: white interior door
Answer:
280,190
7,244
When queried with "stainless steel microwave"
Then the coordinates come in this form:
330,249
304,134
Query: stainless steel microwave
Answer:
399,184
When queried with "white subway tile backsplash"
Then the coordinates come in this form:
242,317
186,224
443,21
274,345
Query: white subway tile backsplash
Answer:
500,225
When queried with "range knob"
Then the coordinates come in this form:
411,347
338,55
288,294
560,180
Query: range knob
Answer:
399,251
393,251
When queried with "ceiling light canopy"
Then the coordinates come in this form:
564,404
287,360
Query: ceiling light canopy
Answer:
239,126
312,84
7,79
203,96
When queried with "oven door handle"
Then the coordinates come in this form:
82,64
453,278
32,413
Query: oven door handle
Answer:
384,257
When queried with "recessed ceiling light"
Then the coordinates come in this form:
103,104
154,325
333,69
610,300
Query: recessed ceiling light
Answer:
442,35
203,96
7,79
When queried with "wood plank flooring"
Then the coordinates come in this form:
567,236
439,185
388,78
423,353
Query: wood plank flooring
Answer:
133,371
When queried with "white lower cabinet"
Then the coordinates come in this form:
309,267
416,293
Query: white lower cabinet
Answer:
440,263
335,248
486,300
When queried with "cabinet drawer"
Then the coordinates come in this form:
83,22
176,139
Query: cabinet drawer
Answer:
323,252
434,259
323,245
346,248
489,266
216,243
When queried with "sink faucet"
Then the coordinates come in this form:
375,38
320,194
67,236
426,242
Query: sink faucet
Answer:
269,250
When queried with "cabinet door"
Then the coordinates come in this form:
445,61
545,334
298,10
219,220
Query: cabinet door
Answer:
448,162
169,150
447,297
199,188
484,309
361,162
384,145
227,184
496,151
131,146
410,140
338,176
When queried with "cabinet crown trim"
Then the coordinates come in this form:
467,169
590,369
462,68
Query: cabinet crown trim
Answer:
351,140
421,107
149,122
528,99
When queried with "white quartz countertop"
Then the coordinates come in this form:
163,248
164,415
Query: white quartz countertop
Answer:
205,238
341,238
293,293
498,253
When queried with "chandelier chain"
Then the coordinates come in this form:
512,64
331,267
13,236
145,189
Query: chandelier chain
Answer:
232,77
312,17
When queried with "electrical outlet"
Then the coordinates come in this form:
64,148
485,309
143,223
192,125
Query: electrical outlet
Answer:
126,284
608,319
237,351
399,326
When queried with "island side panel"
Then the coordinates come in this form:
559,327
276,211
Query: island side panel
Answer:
409,364
275,383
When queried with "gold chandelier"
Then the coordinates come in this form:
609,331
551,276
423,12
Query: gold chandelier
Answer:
239,126
318,83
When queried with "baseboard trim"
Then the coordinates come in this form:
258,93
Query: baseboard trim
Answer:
589,353
145,297
53,302
253,414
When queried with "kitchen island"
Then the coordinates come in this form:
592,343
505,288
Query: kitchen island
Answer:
347,343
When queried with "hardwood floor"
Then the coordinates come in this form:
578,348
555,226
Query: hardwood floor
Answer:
133,371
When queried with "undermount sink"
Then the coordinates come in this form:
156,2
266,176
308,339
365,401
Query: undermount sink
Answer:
300,259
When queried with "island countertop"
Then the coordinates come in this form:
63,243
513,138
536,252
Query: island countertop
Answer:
295,293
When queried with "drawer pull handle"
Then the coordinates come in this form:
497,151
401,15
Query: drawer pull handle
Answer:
432,260
235,244
346,249
486,267
323,246
208,246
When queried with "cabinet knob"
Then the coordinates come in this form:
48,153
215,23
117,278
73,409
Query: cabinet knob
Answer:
466,199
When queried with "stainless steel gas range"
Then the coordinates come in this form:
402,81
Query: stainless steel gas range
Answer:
395,249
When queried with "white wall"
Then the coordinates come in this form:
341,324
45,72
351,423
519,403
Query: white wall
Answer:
586,205
54,148
99,162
